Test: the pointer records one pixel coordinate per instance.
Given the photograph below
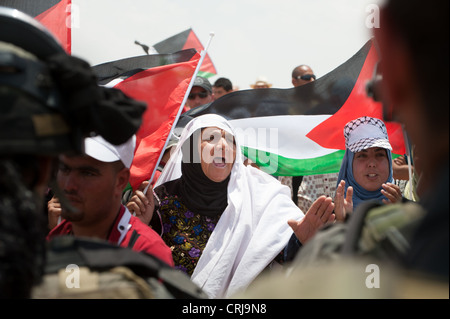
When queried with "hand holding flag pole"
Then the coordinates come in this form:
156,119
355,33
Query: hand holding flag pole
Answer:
191,83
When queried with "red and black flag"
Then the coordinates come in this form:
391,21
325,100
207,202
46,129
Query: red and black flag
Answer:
53,14
160,80
187,40
299,131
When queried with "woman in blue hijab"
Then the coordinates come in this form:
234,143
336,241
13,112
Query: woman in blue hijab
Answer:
366,169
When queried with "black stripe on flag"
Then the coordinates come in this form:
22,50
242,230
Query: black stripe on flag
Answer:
130,66
174,43
326,95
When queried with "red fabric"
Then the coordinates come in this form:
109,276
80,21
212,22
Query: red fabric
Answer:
192,42
330,134
149,241
163,89
58,20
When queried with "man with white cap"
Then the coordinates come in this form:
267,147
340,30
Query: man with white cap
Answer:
93,184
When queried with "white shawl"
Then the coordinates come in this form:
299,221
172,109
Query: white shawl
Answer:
253,228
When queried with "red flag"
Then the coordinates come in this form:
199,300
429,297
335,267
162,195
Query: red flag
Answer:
163,88
187,40
53,14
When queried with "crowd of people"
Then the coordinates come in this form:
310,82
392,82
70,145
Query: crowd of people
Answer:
231,228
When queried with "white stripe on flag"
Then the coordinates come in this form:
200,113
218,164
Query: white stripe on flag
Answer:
284,135
113,83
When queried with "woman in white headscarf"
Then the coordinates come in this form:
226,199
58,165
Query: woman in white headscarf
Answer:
225,222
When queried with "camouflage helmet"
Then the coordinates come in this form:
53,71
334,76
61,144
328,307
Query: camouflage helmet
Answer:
50,101
30,115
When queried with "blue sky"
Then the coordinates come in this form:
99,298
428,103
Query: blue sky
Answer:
252,37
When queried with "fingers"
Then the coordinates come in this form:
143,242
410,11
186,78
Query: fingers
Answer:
54,211
349,197
149,195
138,202
325,209
320,211
314,209
339,210
54,206
328,208
400,160
392,193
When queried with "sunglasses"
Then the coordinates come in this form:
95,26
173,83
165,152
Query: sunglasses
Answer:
306,77
201,95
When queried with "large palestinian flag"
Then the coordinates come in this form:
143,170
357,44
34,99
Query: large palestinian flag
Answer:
160,80
299,131
187,40
53,14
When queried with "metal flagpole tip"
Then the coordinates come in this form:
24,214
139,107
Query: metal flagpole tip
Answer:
211,34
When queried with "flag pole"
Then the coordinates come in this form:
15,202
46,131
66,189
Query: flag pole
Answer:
408,152
191,83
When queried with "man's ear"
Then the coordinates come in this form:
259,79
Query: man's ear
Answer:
122,179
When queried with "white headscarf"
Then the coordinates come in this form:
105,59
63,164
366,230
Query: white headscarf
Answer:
253,228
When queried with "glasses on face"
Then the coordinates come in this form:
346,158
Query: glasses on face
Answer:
306,77
201,95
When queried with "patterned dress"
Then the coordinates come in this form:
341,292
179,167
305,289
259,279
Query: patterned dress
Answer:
185,232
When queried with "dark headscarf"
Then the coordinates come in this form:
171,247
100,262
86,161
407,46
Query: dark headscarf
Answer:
200,194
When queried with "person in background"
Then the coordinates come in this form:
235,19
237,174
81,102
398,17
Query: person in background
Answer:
302,75
200,94
221,87
261,83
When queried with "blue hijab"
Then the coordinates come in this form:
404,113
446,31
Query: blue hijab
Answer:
360,194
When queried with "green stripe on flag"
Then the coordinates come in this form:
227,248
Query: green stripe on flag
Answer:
205,74
283,166
277,165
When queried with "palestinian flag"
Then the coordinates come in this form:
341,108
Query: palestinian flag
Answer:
299,131
187,40
160,80
55,15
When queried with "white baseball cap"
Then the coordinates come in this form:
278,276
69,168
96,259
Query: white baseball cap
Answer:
97,147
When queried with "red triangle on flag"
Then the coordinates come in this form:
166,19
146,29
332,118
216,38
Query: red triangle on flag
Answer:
329,133
193,42
58,20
